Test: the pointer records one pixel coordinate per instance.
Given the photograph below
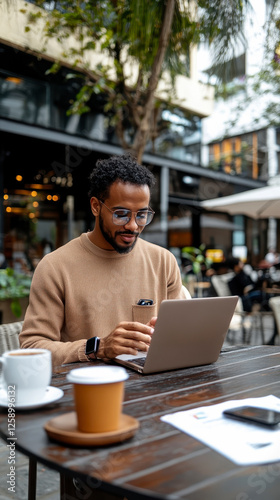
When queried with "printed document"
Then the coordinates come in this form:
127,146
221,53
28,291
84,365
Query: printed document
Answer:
243,443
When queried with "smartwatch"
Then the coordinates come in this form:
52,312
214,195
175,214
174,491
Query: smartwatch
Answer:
92,347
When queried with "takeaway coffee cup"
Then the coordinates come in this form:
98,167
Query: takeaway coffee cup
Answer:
27,374
98,395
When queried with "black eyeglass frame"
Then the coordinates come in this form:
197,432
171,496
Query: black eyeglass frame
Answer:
150,213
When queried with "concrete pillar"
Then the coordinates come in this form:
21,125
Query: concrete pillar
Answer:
272,149
70,216
272,158
164,192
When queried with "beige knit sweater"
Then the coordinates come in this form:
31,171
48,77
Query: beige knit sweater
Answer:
80,291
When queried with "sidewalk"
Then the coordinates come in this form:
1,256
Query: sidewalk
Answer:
48,481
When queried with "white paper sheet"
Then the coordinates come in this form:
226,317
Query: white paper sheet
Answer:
243,443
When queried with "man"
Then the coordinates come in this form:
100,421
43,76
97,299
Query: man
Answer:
85,296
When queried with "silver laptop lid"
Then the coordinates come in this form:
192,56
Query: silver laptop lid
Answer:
187,333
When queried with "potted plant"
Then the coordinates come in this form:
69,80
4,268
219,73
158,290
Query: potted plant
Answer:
14,293
197,259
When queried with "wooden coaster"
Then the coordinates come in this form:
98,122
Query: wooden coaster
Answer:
65,428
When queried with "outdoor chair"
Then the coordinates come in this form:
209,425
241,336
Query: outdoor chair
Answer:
9,340
242,320
9,336
186,292
274,304
220,284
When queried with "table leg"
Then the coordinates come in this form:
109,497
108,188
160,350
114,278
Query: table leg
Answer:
262,329
275,333
75,488
244,333
32,479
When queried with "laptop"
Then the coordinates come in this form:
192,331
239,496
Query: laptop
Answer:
187,333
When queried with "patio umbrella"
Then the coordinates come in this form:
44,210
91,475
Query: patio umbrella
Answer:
260,203
186,223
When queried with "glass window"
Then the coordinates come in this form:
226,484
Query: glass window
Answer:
243,155
179,136
24,100
238,236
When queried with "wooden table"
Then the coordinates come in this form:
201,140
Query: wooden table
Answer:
159,461
201,287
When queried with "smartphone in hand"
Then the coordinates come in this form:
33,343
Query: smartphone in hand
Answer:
253,414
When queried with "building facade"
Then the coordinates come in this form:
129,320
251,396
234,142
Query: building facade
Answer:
238,137
46,155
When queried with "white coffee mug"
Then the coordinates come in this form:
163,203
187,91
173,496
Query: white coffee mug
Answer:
28,373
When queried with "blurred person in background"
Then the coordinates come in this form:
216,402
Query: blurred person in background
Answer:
243,286
272,257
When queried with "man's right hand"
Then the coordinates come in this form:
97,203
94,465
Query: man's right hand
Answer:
127,338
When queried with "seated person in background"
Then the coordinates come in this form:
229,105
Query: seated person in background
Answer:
217,268
243,286
89,289
272,257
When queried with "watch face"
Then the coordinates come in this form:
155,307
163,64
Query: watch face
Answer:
91,345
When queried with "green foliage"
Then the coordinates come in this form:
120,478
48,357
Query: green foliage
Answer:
228,90
14,286
197,257
150,38
263,84
221,23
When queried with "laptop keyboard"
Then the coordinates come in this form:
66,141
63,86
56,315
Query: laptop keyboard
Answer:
138,361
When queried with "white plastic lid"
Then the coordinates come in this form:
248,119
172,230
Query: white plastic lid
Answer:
97,375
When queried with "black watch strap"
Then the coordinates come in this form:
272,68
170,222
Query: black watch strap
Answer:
92,346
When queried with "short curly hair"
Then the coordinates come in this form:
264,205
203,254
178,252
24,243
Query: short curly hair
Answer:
122,168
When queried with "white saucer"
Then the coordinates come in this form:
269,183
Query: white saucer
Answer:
52,394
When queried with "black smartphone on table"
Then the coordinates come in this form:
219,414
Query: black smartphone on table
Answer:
262,416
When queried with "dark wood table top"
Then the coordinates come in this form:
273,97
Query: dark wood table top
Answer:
160,461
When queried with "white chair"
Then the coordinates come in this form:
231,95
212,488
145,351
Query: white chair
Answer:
247,322
274,304
220,284
186,292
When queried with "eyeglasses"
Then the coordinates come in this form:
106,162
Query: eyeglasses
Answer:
121,216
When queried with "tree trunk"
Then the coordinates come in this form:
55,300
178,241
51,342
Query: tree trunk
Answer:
144,130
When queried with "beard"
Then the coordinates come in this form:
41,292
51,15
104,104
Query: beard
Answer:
112,239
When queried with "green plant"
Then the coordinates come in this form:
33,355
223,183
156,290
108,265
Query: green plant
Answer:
14,286
197,258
